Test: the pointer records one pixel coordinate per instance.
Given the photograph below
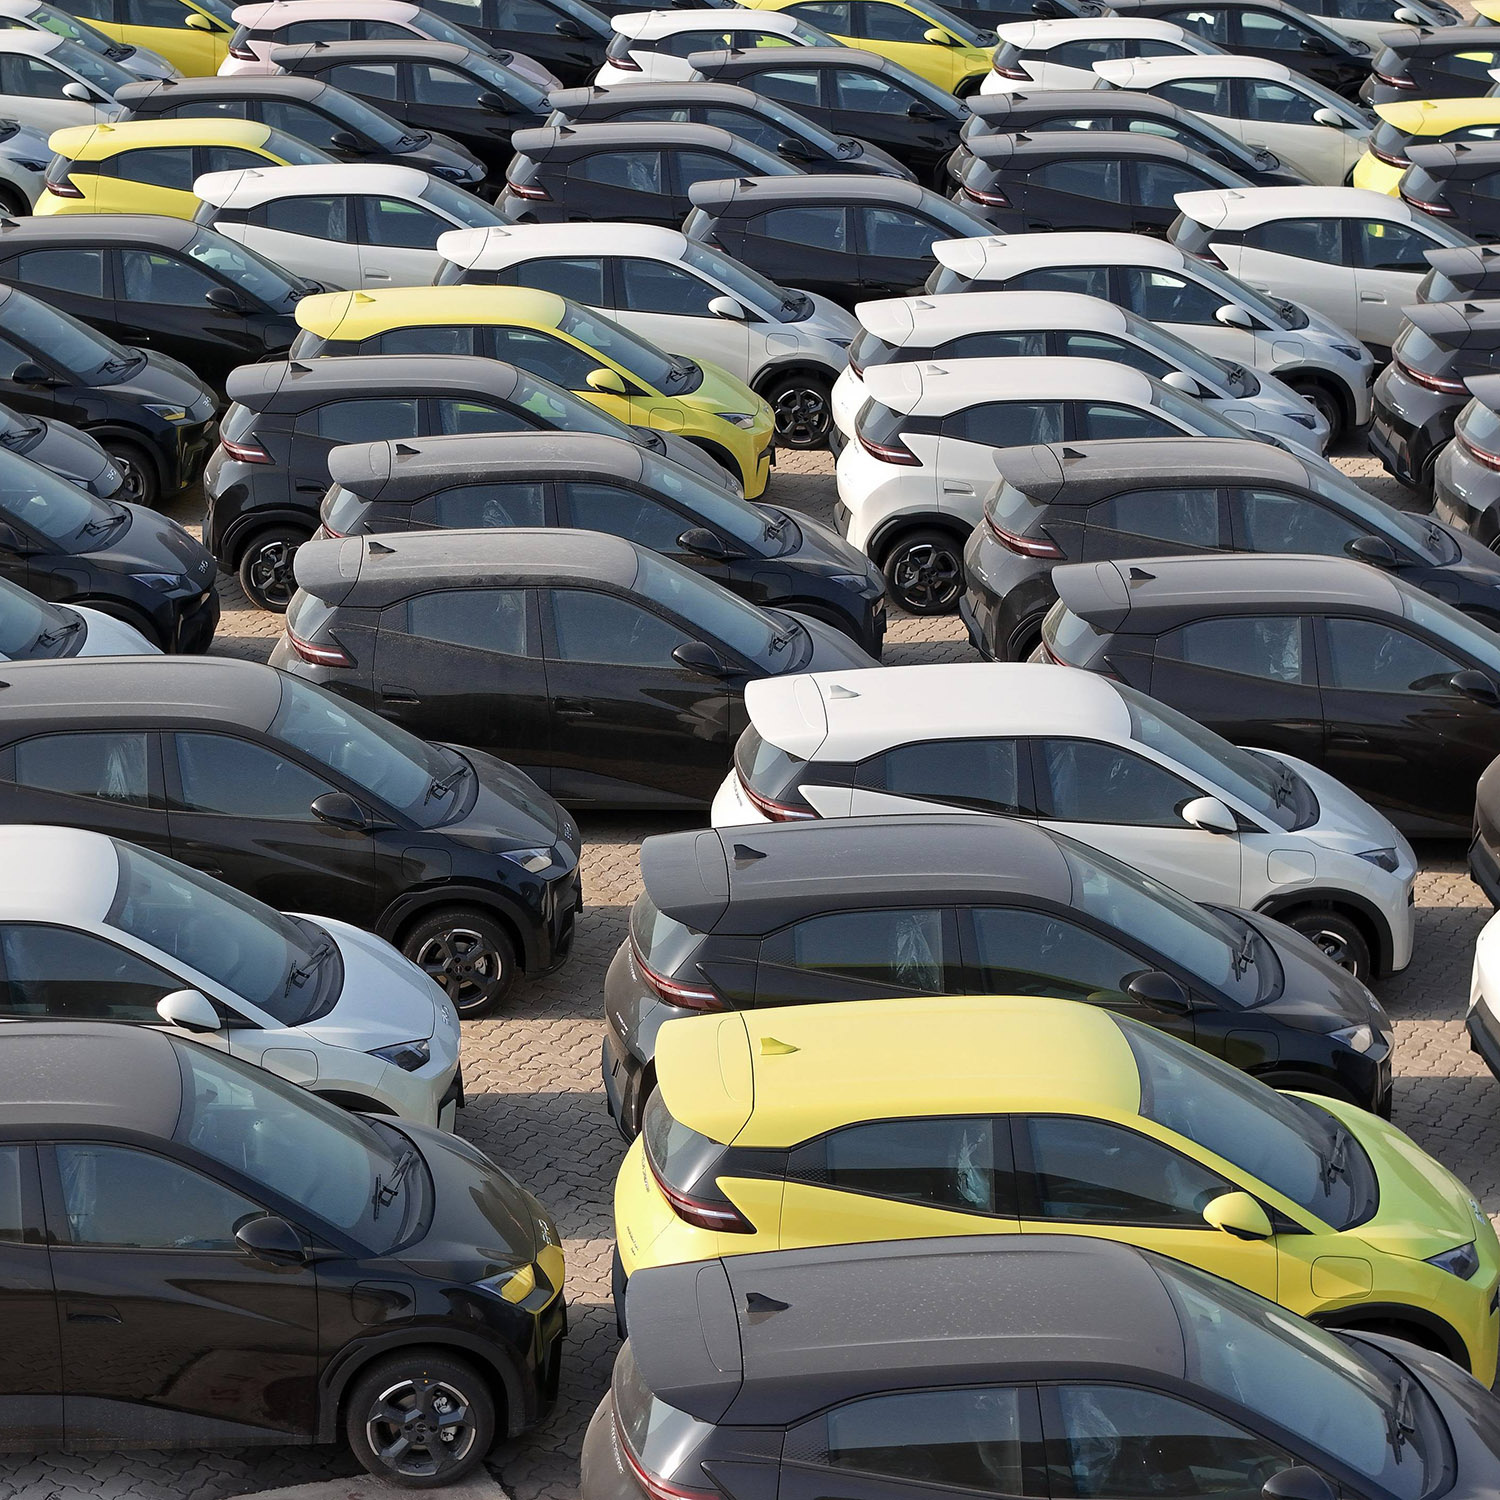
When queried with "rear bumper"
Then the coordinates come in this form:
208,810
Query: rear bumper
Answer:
622,1075
1484,869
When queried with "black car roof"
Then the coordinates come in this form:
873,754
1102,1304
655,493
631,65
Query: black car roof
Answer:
1046,103
772,1338
74,1074
750,195
167,92
96,229
566,140
677,92
747,881
1458,325
1425,43
294,384
289,54
1025,150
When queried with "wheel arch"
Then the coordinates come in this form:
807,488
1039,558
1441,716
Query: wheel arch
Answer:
246,527
411,906
1296,375
102,432
720,455
1366,914
791,364
1363,1314
890,530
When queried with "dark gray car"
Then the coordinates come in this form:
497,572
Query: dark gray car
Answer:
1461,271
58,446
1466,476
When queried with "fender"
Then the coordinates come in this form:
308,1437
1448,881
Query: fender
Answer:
1288,374
1443,1334
1315,895
910,520
787,364
413,903
244,526
133,436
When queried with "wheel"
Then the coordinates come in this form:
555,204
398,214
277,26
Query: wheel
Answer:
420,1420
13,202
1026,637
803,408
925,572
469,953
1327,405
126,615
138,482
1339,936
266,567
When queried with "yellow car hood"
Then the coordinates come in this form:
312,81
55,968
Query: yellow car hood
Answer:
719,391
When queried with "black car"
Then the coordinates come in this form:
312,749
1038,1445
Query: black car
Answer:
1010,1365
152,415
1148,497
69,453
1461,271
1084,179
1452,62
852,93
1271,29
66,546
845,238
641,173
568,37
269,474
310,109
304,801
159,283
753,117
1418,396
1484,845
478,100
1350,668
594,483
1115,110
202,1250
610,675
1458,181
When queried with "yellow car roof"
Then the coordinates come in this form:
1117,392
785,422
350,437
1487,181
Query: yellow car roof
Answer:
778,1076
1489,9
361,315
1438,116
90,142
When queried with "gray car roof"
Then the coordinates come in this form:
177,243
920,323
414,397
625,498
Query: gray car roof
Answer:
763,59
215,689
1022,150
145,229
291,385
1486,390
1458,325
677,91
1427,42
171,91
1044,103
76,1074
413,48
751,194
772,1338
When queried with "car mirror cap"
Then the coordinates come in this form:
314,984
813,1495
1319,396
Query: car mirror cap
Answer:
225,298
937,36
1232,315
606,382
1297,1483
497,104
270,1237
1159,991
727,308
195,22
702,542
1211,815
340,810
1180,380
29,372
1408,17
191,1010
699,656
78,91
1476,686
1328,115
1374,550
346,140
1237,1213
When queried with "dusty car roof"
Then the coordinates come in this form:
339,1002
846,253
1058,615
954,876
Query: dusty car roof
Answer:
289,385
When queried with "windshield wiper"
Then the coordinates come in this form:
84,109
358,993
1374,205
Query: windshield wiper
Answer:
1244,955
780,642
1399,1427
776,527
103,523
386,1192
1336,1164
299,974
796,303
61,633
22,435
440,786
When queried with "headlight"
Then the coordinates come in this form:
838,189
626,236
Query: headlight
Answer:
409,1056
163,583
169,413
533,861
1302,420
1462,1262
1385,859
512,1286
739,418
1349,351
1359,1038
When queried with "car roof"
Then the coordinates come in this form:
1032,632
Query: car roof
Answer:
55,874
651,25
418,48
82,142
929,320
494,246
1038,35
1045,102
935,389
1243,208
772,1338
250,186
279,12
1441,156
1485,389
100,229
1000,148
846,716
360,315
589,135
291,385
1456,325
1147,72
749,194
168,91
1464,264
1010,254
1439,40
678,91
777,1076
1434,116
30,40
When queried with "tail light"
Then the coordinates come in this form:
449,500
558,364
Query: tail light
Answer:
1208,258
722,1218
1432,382
332,655
526,190
653,1484
990,197
62,188
242,52
328,531
1483,455
777,812
1025,546
247,453
625,63
1437,210
893,452
673,991
1010,70
1052,656
1395,83
1390,158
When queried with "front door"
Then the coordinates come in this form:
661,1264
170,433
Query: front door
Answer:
1305,256
31,1373
397,241
670,306
1390,260
895,250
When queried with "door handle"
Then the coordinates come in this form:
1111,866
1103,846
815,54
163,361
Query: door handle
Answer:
394,693
377,275
207,866
1372,296
93,1312
573,708
958,489
1347,737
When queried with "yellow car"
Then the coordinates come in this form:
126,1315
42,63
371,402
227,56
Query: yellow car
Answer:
1486,12
149,166
1422,122
566,344
893,1119
917,34
193,35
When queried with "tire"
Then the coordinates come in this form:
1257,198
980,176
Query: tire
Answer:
1024,639
396,1413
127,615
1326,403
468,953
924,570
265,568
138,482
803,407
1337,934
13,202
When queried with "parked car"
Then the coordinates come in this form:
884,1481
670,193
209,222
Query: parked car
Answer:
1145,1355
69,453
653,46
345,128
1130,775
178,1166
38,15
268,476
1142,1136
787,346
848,239
1453,62
1457,181
591,482
24,157
1420,122
1484,870
1370,21
1483,1021
961,904
567,37
1060,54
305,802
1352,255
611,675
1466,476
48,82
192,35
1471,271
1325,658
1070,503
33,630
1189,296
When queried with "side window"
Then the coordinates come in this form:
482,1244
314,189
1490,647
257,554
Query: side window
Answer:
1098,179
1262,31
230,159
602,628
1019,952
831,16
1268,647
637,171
365,421
944,1163
1307,239
316,31
318,218
1206,20
1007,424
18,1217
1088,281
524,15
148,276
433,84
55,971
652,286
1157,183
372,80
1163,297
987,345
158,166
124,1199
1184,517
692,167
851,90
620,512
822,228
1106,346
895,233
1084,781
73,270
299,121
384,31
492,620
1382,246
491,505
393,223
1271,521
552,358
983,774
31,77
797,88
455,415
1104,419
756,129
1275,103
879,22
424,340
1369,656
166,14
580,278
1094,1172
1206,96
109,767
903,951
220,774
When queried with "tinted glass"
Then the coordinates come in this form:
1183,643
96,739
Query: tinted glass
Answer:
1383,246
1007,424
1088,281
1189,517
862,91
1207,96
1164,297
78,271
580,278
492,620
1307,239
637,171
482,505
1276,103
396,224
1020,952
982,774
1106,346
224,775
593,627
649,286
945,1163
899,949
1108,419
1098,179
553,359
621,512
722,615
456,416
1273,521
15,1168
425,340
823,228
158,166
148,276
366,421
900,235
1268,647
374,80
56,971
109,766
1084,781
318,218
1369,656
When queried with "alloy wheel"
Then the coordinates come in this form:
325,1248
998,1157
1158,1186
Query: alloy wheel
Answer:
420,1428
927,578
270,573
802,416
469,967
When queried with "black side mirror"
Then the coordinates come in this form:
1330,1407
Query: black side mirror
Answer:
496,104
1475,685
1374,550
1297,1484
699,656
270,1237
1316,45
340,810
703,542
29,372
225,298
916,110
346,140
1160,992
569,28
11,540
793,150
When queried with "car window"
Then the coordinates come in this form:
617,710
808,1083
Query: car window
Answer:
300,121
156,166
488,505
1268,647
989,345
1107,419
230,159
491,620
318,218
756,129
1276,103
618,511
455,415
942,1163
1007,424
1020,952
321,30
1272,521
822,228
637,171
1206,96
31,77
894,232
831,16
1157,183
57,971
552,358
524,15
120,1198
1188,517
394,223
1382,246
794,86
983,774
1088,281
652,286
373,80
432,83
369,421
425,339
580,278
1121,351
1164,297
78,271
901,950
863,91
880,22
1369,656
111,767
16,1224
594,627
1307,239
1262,31
148,276
1083,781
693,167
221,774
163,13
1098,178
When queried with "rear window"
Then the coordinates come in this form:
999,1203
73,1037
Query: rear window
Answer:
1420,187
1418,351
662,1439
867,350
1389,143
237,423
768,771
342,511
1011,509
1189,235
1070,640
880,425
683,1161
662,942
306,615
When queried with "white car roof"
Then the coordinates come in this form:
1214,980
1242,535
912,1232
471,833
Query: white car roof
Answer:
1242,208
495,246
927,388
849,715
66,875
28,40
1037,36
1003,255
1147,72
278,13
251,185
931,320
18,8
650,25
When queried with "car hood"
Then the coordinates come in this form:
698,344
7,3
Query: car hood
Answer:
510,810
106,637
718,391
824,550
1346,822
531,70
832,650
385,998
76,456
443,151
1317,995
142,62
828,320
166,382
154,543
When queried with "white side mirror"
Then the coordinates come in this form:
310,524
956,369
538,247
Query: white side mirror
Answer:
727,307
190,1009
1233,316
1209,814
1329,116
1408,17
78,91
1180,380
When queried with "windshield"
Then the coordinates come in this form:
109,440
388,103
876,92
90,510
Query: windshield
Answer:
1449,624
718,507
238,942
555,407
463,208
30,628
1178,351
970,34
714,610
67,343
46,504
49,18
663,373
92,67
1192,414
506,82
761,294
1278,314
243,267
798,125
440,30
1419,533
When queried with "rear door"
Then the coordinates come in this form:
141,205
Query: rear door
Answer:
75,278
978,775
1072,193
687,168
313,236
322,429
1308,259
31,1393
1152,188
1183,306
628,185
1155,523
442,97
895,249
810,247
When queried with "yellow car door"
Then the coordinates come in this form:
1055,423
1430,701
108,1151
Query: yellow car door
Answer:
188,35
906,36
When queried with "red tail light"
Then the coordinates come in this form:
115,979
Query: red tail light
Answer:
63,189
328,531
673,991
777,812
319,656
526,190
626,64
1432,382
990,197
1053,657
653,1484
889,453
1390,158
1395,83
247,453
1013,71
1209,258
1483,455
1026,546
1437,210
722,1218
242,52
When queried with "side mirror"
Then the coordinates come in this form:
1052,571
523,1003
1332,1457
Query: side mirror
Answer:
792,149
78,91
1408,17
192,1010
225,298
346,140
937,36
1232,315
727,307
12,541
1374,550
340,810
568,28
699,656
606,382
1298,1483
1160,992
1316,45
29,372
1238,1214
270,1237
1476,686
197,22
1209,814
1180,380
917,110
496,104
1329,116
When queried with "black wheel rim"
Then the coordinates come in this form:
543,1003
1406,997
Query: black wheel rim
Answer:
927,577
1325,406
132,482
802,416
420,1428
467,965
1335,944
270,573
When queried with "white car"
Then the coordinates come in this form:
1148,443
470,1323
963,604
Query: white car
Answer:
48,82
1258,102
1353,255
1061,54
95,929
653,46
913,480
1187,296
38,15
787,346
980,325
275,23
24,155
1484,996
1087,757
349,226
32,629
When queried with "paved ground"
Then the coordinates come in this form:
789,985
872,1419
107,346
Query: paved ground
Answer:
535,1103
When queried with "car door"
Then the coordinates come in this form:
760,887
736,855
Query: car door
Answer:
547,34
1279,38
1390,260
1305,259
31,1393
165,1320
242,812
463,666
58,973
1155,523
311,236
901,35
625,185
1282,118
163,304
440,97
1152,188
1131,807
968,440
151,179
74,278
895,249
670,305
569,366
630,724
874,107
599,505
323,428
31,90
193,42
1073,193
685,169
1182,306
809,246
397,241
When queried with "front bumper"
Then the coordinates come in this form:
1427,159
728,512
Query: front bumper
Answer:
196,621
1484,869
